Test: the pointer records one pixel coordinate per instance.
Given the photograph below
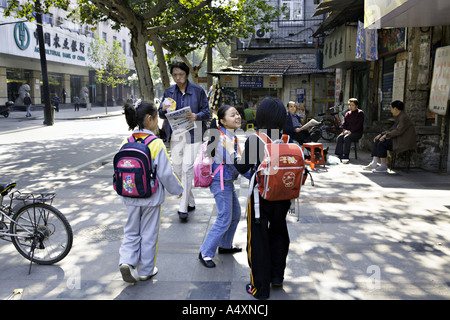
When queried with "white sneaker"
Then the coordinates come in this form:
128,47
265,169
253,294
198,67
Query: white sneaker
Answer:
380,169
129,274
143,278
371,166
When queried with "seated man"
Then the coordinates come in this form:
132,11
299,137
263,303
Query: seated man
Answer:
293,126
352,129
401,137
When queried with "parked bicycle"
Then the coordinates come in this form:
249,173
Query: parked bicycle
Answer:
331,125
39,231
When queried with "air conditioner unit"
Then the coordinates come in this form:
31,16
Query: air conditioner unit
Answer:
59,21
261,34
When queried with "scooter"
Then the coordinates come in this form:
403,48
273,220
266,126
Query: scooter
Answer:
4,110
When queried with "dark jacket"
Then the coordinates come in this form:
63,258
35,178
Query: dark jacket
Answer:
354,121
194,97
289,127
402,133
27,101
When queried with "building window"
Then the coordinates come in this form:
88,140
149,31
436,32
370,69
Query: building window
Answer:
124,47
293,13
3,4
47,18
104,36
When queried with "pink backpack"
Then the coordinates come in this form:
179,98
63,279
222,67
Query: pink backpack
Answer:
203,175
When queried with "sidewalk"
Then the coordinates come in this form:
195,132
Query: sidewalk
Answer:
17,119
360,236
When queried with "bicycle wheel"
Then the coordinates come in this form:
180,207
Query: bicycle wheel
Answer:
327,130
42,233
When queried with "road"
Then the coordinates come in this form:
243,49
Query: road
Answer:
38,155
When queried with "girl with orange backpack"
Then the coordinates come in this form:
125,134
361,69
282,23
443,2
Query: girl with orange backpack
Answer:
268,237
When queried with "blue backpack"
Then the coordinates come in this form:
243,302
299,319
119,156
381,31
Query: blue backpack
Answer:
133,175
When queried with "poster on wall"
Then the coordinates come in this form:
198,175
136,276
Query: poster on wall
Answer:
398,87
440,84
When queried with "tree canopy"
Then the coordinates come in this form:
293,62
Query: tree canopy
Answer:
178,26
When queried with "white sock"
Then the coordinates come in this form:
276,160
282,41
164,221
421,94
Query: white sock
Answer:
374,161
383,165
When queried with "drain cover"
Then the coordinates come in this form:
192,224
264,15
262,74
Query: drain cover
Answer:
108,232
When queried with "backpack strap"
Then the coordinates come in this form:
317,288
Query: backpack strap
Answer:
263,137
285,138
219,168
146,140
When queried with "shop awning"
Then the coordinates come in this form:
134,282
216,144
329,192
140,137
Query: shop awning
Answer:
340,12
406,13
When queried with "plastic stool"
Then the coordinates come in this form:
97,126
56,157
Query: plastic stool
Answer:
250,125
312,161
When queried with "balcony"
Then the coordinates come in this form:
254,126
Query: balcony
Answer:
282,34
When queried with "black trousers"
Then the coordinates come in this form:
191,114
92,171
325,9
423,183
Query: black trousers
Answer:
380,148
344,143
267,244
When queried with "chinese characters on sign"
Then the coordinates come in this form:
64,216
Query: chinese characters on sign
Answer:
251,81
71,46
441,81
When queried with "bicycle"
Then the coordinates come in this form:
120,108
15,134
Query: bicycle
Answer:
331,125
39,231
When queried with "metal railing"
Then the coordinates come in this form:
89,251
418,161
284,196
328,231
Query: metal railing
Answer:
283,34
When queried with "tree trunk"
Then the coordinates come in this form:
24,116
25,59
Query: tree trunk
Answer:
161,60
145,81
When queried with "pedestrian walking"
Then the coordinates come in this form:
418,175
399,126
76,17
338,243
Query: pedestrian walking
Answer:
76,102
56,101
268,237
138,250
185,146
222,232
64,95
27,103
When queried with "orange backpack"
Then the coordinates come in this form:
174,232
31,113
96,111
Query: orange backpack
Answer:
282,170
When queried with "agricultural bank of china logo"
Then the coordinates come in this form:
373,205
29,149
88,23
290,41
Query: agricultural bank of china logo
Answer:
22,35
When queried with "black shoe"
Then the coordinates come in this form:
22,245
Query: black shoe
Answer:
249,289
183,216
230,250
206,263
277,283
191,208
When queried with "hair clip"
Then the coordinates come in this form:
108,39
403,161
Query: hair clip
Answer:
137,104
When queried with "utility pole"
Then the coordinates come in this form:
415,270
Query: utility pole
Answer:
48,115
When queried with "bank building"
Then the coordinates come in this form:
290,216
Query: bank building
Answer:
66,45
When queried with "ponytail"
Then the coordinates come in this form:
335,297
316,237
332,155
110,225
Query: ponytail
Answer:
135,114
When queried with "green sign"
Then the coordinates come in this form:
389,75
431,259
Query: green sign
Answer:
22,35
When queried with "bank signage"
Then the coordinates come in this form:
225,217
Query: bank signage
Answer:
61,45
22,36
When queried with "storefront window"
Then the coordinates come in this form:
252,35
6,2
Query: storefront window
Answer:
15,78
54,84
75,86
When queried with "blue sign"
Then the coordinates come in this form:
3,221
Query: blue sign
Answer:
251,81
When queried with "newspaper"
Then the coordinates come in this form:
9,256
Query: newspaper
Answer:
311,123
178,121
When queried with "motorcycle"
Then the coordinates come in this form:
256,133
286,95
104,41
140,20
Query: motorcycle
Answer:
4,110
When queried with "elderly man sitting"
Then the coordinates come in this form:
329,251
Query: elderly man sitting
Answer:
401,137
